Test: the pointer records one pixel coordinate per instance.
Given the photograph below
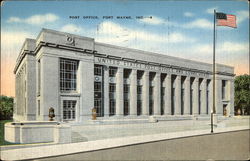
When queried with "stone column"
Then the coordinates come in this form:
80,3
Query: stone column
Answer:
157,94
49,78
187,96
196,96
204,97
133,92
119,92
177,100
167,110
145,93
106,91
218,96
231,97
87,81
80,75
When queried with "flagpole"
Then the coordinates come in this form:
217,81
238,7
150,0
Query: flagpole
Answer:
213,110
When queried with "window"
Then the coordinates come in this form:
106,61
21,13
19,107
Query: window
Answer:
172,101
112,71
112,87
199,101
139,89
39,76
139,92
126,88
162,91
98,70
207,97
97,89
151,90
68,71
112,107
223,89
182,101
69,107
98,106
126,107
191,100
139,104
162,100
151,107
97,86
112,90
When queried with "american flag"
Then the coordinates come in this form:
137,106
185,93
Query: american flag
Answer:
226,20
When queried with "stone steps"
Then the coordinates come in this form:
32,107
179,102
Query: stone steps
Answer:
76,137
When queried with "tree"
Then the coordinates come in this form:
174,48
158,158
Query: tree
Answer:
6,107
242,94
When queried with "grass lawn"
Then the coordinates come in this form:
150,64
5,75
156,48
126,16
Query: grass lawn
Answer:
2,142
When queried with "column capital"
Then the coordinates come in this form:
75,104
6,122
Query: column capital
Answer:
119,69
146,73
168,76
134,71
178,76
106,67
204,80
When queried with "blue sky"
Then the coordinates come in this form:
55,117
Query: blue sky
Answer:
177,28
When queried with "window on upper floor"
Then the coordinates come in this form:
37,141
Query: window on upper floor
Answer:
98,70
68,74
112,71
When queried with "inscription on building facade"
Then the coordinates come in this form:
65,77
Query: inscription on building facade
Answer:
143,66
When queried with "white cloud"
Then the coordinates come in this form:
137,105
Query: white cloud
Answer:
199,23
222,48
241,16
113,32
35,19
157,21
233,47
178,37
14,19
188,14
153,20
71,28
12,40
108,27
211,10
202,48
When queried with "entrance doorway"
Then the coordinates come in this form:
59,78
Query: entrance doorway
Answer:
224,109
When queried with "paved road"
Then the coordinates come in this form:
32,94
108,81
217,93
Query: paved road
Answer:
222,146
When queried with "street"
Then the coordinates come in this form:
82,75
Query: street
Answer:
222,146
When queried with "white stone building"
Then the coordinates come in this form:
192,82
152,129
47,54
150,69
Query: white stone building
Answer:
73,74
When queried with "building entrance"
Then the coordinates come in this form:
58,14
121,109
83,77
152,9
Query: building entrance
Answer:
224,110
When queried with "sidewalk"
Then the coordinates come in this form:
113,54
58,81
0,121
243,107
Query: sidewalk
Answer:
82,133
88,146
96,137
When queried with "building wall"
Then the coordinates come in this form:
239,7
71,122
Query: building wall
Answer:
20,99
49,86
176,75
30,85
